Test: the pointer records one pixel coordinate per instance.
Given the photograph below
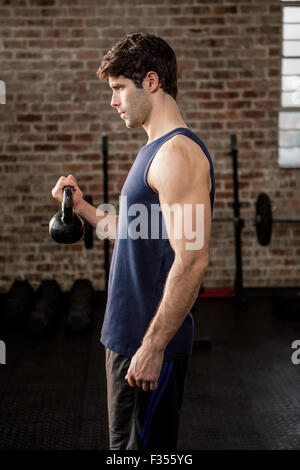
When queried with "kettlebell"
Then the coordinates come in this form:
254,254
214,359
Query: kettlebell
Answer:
65,226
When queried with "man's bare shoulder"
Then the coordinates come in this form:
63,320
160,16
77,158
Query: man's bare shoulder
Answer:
180,155
181,149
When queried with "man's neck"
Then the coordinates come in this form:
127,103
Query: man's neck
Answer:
164,118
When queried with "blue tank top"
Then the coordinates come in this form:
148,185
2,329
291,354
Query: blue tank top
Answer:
139,266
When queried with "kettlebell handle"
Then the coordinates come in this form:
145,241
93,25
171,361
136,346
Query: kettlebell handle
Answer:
67,205
66,226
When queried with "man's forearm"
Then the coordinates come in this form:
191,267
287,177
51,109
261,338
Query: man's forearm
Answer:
89,213
180,292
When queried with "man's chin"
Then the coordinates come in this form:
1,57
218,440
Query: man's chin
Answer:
132,125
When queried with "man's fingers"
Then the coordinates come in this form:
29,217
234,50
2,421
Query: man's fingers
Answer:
68,182
61,183
130,380
71,177
146,386
153,385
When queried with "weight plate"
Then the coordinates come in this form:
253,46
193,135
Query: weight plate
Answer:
264,219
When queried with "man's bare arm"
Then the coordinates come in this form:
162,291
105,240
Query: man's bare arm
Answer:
181,178
180,293
94,216
185,186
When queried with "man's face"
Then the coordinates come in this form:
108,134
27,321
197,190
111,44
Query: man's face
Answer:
132,103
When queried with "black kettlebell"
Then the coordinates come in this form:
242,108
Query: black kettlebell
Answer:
65,226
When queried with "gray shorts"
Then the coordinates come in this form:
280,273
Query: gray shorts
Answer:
139,419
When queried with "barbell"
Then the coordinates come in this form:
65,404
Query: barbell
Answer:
263,220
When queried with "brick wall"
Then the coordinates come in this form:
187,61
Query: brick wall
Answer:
57,111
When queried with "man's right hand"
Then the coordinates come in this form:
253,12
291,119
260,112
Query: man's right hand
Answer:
57,191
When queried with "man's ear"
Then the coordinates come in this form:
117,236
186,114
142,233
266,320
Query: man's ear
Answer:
151,82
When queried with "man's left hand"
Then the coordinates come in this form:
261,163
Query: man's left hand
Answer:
145,368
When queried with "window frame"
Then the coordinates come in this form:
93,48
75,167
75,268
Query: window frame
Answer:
287,109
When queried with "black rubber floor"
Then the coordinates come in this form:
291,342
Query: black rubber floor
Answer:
241,393
52,390
244,391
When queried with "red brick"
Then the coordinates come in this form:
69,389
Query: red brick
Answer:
225,10
68,22
5,12
42,43
30,117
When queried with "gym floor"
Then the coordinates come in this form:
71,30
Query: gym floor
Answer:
242,391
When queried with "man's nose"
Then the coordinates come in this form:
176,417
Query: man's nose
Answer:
114,101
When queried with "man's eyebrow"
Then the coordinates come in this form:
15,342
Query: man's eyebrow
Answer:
116,85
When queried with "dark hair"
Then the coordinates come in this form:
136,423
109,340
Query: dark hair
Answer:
138,54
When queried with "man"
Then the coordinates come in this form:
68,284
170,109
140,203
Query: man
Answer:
154,280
